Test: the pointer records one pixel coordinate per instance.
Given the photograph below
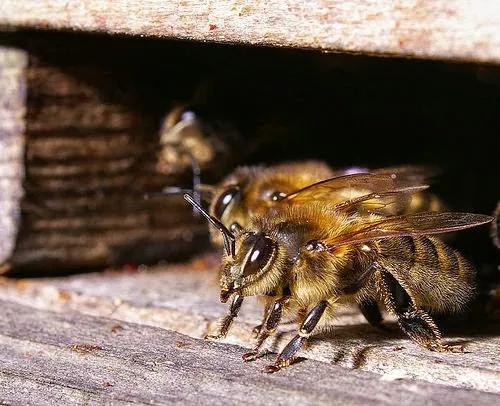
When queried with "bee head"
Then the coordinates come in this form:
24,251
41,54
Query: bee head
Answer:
247,258
254,256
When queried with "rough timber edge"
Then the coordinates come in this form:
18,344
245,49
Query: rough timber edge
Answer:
459,30
94,360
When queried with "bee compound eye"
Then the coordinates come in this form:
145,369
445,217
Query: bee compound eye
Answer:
260,255
229,195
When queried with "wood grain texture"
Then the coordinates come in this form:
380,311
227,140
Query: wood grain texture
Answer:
12,127
185,299
48,357
462,30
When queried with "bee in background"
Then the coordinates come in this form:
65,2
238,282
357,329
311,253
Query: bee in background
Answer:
188,138
183,141
311,257
252,190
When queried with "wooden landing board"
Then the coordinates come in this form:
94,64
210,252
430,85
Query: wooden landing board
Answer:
460,30
51,357
103,336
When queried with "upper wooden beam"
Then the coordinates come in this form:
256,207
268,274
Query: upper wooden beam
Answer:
460,30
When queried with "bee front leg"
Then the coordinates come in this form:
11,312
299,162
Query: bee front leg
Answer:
288,354
416,323
226,321
268,327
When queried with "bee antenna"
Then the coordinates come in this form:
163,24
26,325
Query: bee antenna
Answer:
229,239
168,191
195,167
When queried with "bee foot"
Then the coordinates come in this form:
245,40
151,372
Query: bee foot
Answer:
450,348
214,337
271,369
250,356
253,355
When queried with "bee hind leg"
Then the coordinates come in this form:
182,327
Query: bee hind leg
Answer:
416,323
269,325
288,354
422,329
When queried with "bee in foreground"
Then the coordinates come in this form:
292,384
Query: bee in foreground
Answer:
312,257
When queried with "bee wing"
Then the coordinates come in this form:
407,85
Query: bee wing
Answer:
379,202
405,173
347,187
410,225
410,173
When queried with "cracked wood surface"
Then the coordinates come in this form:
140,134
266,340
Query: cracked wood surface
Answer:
40,363
184,298
460,29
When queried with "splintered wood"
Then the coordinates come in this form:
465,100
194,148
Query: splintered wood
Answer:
137,336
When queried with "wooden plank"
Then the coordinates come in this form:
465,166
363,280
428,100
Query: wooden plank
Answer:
185,299
459,29
93,360
12,126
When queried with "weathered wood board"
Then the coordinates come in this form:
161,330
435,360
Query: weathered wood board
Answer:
72,358
13,64
459,30
184,299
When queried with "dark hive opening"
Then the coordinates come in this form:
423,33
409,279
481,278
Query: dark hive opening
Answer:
96,104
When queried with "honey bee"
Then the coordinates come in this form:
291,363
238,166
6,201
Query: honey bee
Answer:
252,190
183,141
188,139
310,257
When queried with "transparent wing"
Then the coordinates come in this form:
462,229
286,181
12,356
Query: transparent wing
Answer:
404,173
396,200
347,187
409,225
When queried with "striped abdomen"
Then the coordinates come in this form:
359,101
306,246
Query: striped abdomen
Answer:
437,277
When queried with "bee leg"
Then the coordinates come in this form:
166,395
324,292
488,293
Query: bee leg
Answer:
226,321
256,330
422,329
268,327
288,354
416,323
369,309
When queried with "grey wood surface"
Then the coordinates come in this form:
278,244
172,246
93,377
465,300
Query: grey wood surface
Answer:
12,125
68,357
458,29
351,364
